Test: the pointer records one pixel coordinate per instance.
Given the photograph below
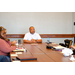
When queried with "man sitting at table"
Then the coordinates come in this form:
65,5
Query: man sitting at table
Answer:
32,36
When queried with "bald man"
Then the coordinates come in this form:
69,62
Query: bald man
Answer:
32,36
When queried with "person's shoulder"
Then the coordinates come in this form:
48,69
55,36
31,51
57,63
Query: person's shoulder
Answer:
27,34
36,33
1,40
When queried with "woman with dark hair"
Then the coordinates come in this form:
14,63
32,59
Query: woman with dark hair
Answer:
5,44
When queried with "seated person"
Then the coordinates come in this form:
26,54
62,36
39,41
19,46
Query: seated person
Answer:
72,46
32,36
5,44
12,43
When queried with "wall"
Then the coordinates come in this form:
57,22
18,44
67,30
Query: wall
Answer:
44,23
73,16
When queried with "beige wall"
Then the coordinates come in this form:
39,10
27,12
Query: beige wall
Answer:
73,16
44,23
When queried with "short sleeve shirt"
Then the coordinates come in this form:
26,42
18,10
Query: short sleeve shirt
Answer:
29,36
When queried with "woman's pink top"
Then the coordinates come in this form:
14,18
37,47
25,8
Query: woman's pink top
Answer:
5,47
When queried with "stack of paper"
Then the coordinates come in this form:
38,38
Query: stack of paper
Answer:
34,44
59,47
19,50
67,51
16,61
14,55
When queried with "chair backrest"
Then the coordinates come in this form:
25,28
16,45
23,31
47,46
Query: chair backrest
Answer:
68,43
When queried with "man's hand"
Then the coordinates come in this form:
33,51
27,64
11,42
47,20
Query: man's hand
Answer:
33,41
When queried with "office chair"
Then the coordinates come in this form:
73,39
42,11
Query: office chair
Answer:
67,44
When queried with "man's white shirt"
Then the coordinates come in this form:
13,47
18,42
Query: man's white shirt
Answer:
29,36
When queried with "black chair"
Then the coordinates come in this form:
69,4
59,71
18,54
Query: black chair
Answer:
67,44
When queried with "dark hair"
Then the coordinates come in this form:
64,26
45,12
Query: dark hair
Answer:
1,29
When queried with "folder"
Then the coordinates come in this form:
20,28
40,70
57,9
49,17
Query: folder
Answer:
26,58
19,50
59,47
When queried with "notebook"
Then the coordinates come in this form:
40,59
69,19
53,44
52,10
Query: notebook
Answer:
26,58
19,50
34,44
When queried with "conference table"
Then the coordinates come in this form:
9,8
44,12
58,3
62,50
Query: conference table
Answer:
41,53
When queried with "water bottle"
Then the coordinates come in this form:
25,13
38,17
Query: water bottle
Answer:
48,40
19,43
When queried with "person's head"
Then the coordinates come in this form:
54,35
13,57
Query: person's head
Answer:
32,30
3,32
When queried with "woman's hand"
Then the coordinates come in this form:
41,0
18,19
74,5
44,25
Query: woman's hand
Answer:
14,42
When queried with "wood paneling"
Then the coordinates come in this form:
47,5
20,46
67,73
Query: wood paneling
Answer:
15,35
43,35
57,35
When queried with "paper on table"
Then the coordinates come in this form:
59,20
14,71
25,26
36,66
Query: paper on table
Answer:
53,43
16,61
34,44
73,60
59,47
67,51
14,55
18,52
